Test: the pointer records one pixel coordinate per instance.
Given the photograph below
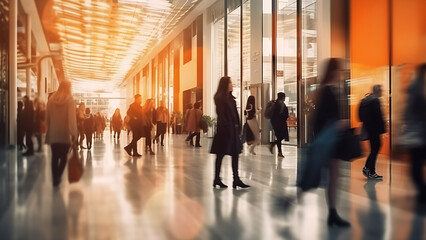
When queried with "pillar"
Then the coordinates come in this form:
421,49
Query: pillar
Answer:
28,70
13,98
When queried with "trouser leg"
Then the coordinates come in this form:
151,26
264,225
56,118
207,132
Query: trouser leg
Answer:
235,167
218,164
29,142
197,139
278,143
375,147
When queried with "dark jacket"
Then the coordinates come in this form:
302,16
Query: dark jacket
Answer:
327,109
28,117
373,122
135,113
227,139
89,124
279,120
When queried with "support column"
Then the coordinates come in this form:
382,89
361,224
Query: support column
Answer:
28,70
13,99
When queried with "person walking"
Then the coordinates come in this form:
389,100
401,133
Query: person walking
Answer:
89,128
185,116
415,119
40,123
374,125
162,114
28,125
279,123
116,123
227,139
148,120
80,124
251,118
193,125
135,122
20,126
62,130
327,114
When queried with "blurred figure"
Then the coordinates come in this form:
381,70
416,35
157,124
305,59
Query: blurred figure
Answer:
279,123
148,120
89,128
20,126
327,114
185,115
99,125
251,117
135,122
61,128
193,125
40,123
80,124
372,118
227,139
162,117
116,123
415,115
28,125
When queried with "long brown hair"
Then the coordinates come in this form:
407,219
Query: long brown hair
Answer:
223,87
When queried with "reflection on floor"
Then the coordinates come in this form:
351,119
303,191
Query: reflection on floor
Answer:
169,196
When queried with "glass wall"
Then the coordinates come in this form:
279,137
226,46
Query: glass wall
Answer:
4,70
234,48
287,60
246,48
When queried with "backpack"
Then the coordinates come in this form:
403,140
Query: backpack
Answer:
363,110
269,110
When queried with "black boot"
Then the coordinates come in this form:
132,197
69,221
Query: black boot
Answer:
238,183
218,182
334,219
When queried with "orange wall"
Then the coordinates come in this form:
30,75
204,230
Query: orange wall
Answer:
369,53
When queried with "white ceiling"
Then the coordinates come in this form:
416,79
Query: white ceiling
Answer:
102,39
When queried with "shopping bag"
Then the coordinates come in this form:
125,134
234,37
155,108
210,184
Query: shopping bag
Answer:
315,156
349,146
75,167
244,133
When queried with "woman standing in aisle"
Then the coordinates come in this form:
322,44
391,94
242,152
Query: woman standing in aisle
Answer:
227,139
251,117
61,128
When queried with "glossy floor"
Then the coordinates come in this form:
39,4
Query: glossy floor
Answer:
169,196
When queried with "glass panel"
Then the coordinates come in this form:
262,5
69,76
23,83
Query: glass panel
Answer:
246,31
267,43
309,65
287,60
234,51
218,53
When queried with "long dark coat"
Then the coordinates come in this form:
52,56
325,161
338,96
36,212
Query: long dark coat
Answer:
135,114
279,121
227,139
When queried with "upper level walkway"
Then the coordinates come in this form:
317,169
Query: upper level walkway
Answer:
170,196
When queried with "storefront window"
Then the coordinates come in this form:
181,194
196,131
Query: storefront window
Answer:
234,48
287,60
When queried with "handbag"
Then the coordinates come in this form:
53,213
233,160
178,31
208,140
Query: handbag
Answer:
363,136
349,146
203,125
317,154
244,133
75,167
